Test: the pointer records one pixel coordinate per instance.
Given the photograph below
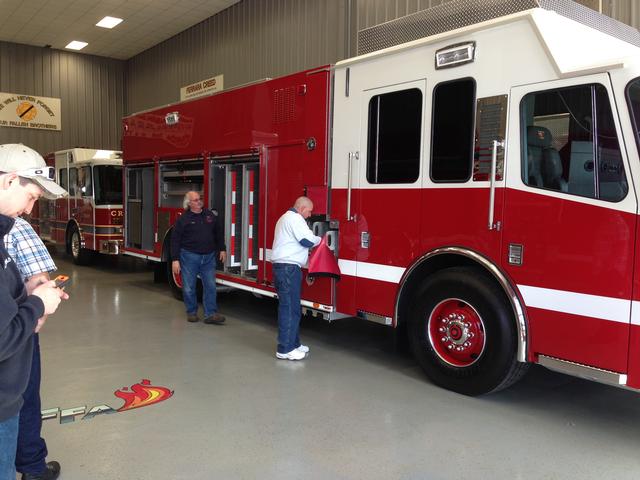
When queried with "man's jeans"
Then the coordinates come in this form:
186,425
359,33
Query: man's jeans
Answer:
32,449
192,264
288,280
8,439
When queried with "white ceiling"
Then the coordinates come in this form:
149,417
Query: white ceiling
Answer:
146,22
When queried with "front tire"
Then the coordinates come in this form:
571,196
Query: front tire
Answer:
79,255
463,333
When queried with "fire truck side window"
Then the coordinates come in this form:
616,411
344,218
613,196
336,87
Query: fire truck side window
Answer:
62,178
73,181
633,100
570,143
108,184
395,123
453,135
85,186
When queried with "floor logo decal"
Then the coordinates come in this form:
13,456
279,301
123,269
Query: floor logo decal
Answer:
139,395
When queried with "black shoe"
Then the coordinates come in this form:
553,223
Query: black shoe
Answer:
192,318
215,318
51,473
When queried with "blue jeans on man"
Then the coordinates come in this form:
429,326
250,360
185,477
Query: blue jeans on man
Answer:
8,439
32,449
288,282
192,265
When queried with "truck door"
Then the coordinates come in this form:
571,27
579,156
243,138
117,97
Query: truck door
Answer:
388,181
569,220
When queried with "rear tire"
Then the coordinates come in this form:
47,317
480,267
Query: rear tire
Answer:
463,333
79,255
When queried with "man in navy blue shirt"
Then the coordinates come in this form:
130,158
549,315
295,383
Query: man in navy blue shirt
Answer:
34,264
197,240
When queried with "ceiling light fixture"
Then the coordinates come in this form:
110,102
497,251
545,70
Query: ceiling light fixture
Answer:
108,22
76,45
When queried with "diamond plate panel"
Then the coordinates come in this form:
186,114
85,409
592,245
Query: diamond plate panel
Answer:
461,13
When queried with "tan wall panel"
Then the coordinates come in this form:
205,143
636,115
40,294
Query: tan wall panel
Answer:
256,39
91,90
251,40
627,11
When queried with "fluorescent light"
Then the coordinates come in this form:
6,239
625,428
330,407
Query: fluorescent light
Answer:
76,45
108,22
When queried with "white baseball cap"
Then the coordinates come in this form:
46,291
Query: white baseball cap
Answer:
27,163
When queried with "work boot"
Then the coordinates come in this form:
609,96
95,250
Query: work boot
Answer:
216,318
51,473
192,317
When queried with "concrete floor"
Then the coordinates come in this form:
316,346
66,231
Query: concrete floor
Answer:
354,409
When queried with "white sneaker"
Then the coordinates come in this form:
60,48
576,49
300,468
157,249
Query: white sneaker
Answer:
294,354
303,348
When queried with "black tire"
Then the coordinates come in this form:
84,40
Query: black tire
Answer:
79,255
474,302
159,272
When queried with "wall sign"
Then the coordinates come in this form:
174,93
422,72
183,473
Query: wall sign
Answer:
202,88
26,111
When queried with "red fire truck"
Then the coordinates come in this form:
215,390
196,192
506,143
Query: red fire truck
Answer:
479,186
89,220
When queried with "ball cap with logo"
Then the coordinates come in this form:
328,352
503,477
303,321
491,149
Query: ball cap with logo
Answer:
27,163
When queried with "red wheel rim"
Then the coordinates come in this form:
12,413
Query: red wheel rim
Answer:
456,332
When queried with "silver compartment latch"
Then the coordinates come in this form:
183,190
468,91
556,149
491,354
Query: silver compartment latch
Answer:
364,240
515,254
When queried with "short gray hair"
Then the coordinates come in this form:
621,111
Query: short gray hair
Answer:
185,201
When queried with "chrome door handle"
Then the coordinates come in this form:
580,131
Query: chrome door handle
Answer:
492,183
352,156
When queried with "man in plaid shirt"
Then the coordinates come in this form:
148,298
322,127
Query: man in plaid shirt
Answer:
34,264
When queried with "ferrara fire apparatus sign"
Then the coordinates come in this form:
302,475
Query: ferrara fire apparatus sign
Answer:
26,111
202,88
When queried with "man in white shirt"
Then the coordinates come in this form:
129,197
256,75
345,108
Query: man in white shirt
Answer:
292,241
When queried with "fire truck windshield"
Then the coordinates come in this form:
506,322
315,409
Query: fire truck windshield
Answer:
633,98
108,184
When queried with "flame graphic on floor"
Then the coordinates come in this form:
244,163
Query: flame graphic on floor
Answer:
141,395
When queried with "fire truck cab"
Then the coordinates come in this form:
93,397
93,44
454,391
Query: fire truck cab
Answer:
476,183
89,219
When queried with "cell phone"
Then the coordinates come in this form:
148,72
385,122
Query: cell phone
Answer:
62,281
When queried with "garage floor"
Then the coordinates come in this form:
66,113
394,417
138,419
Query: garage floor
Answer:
353,410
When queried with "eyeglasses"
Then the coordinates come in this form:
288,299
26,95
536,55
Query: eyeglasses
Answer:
45,172
196,200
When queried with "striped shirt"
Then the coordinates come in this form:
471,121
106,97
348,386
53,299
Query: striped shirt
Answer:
27,250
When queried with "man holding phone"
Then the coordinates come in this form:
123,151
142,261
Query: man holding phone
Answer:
34,264
24,177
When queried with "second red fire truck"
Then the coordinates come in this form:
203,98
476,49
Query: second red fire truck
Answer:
479,186
89,219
